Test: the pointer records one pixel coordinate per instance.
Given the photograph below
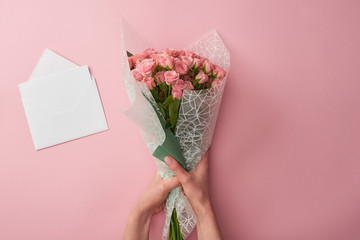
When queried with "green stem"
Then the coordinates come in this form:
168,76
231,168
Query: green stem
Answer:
174,232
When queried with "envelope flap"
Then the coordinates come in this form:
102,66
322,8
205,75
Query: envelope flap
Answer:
51,63
58,92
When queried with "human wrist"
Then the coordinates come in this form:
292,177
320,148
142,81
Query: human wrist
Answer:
138,225
141,214
207,226
202,209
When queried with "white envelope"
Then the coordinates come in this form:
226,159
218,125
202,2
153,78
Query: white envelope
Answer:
61,102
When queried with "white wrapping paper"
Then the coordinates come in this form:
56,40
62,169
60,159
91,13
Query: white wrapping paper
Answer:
196,121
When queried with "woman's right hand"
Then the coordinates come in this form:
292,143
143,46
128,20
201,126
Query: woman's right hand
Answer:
196,188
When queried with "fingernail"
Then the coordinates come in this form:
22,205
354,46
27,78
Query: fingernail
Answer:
167,160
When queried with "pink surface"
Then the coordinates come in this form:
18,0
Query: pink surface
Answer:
285,158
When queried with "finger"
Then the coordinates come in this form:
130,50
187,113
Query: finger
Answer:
174,166
157,176
160,208
171,183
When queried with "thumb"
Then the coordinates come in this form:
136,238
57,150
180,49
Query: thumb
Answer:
180,173
171,183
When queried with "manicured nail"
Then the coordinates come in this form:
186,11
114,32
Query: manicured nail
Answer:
167,160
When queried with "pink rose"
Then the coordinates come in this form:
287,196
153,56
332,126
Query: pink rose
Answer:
176,93
186,53
219,71
216,82
139,57
156,58
208,83
187,60
137,75
208,66
189,86
166,61
179,85
171,77
171,52
159,77
146,67
150,83
202,76
194,55
197,62
180,66
150,51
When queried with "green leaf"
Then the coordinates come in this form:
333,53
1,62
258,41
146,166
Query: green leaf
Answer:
162,109
170,146
163,88
168,124
129,54
168,100
174,111
169,93
155,94
196,81
158,68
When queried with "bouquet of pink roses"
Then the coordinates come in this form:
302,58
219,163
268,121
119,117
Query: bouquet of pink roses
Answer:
168,73
175,97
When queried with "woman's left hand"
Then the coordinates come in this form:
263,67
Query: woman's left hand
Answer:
153,199
150,203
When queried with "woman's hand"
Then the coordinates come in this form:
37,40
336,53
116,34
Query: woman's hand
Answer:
196,188
150,203
153,199
194,183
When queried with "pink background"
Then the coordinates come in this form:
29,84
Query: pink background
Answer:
285,157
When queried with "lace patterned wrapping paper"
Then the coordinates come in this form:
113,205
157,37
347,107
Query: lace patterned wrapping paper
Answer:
196,121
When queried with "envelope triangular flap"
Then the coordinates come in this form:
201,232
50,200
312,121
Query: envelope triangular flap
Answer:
51,63
59,92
